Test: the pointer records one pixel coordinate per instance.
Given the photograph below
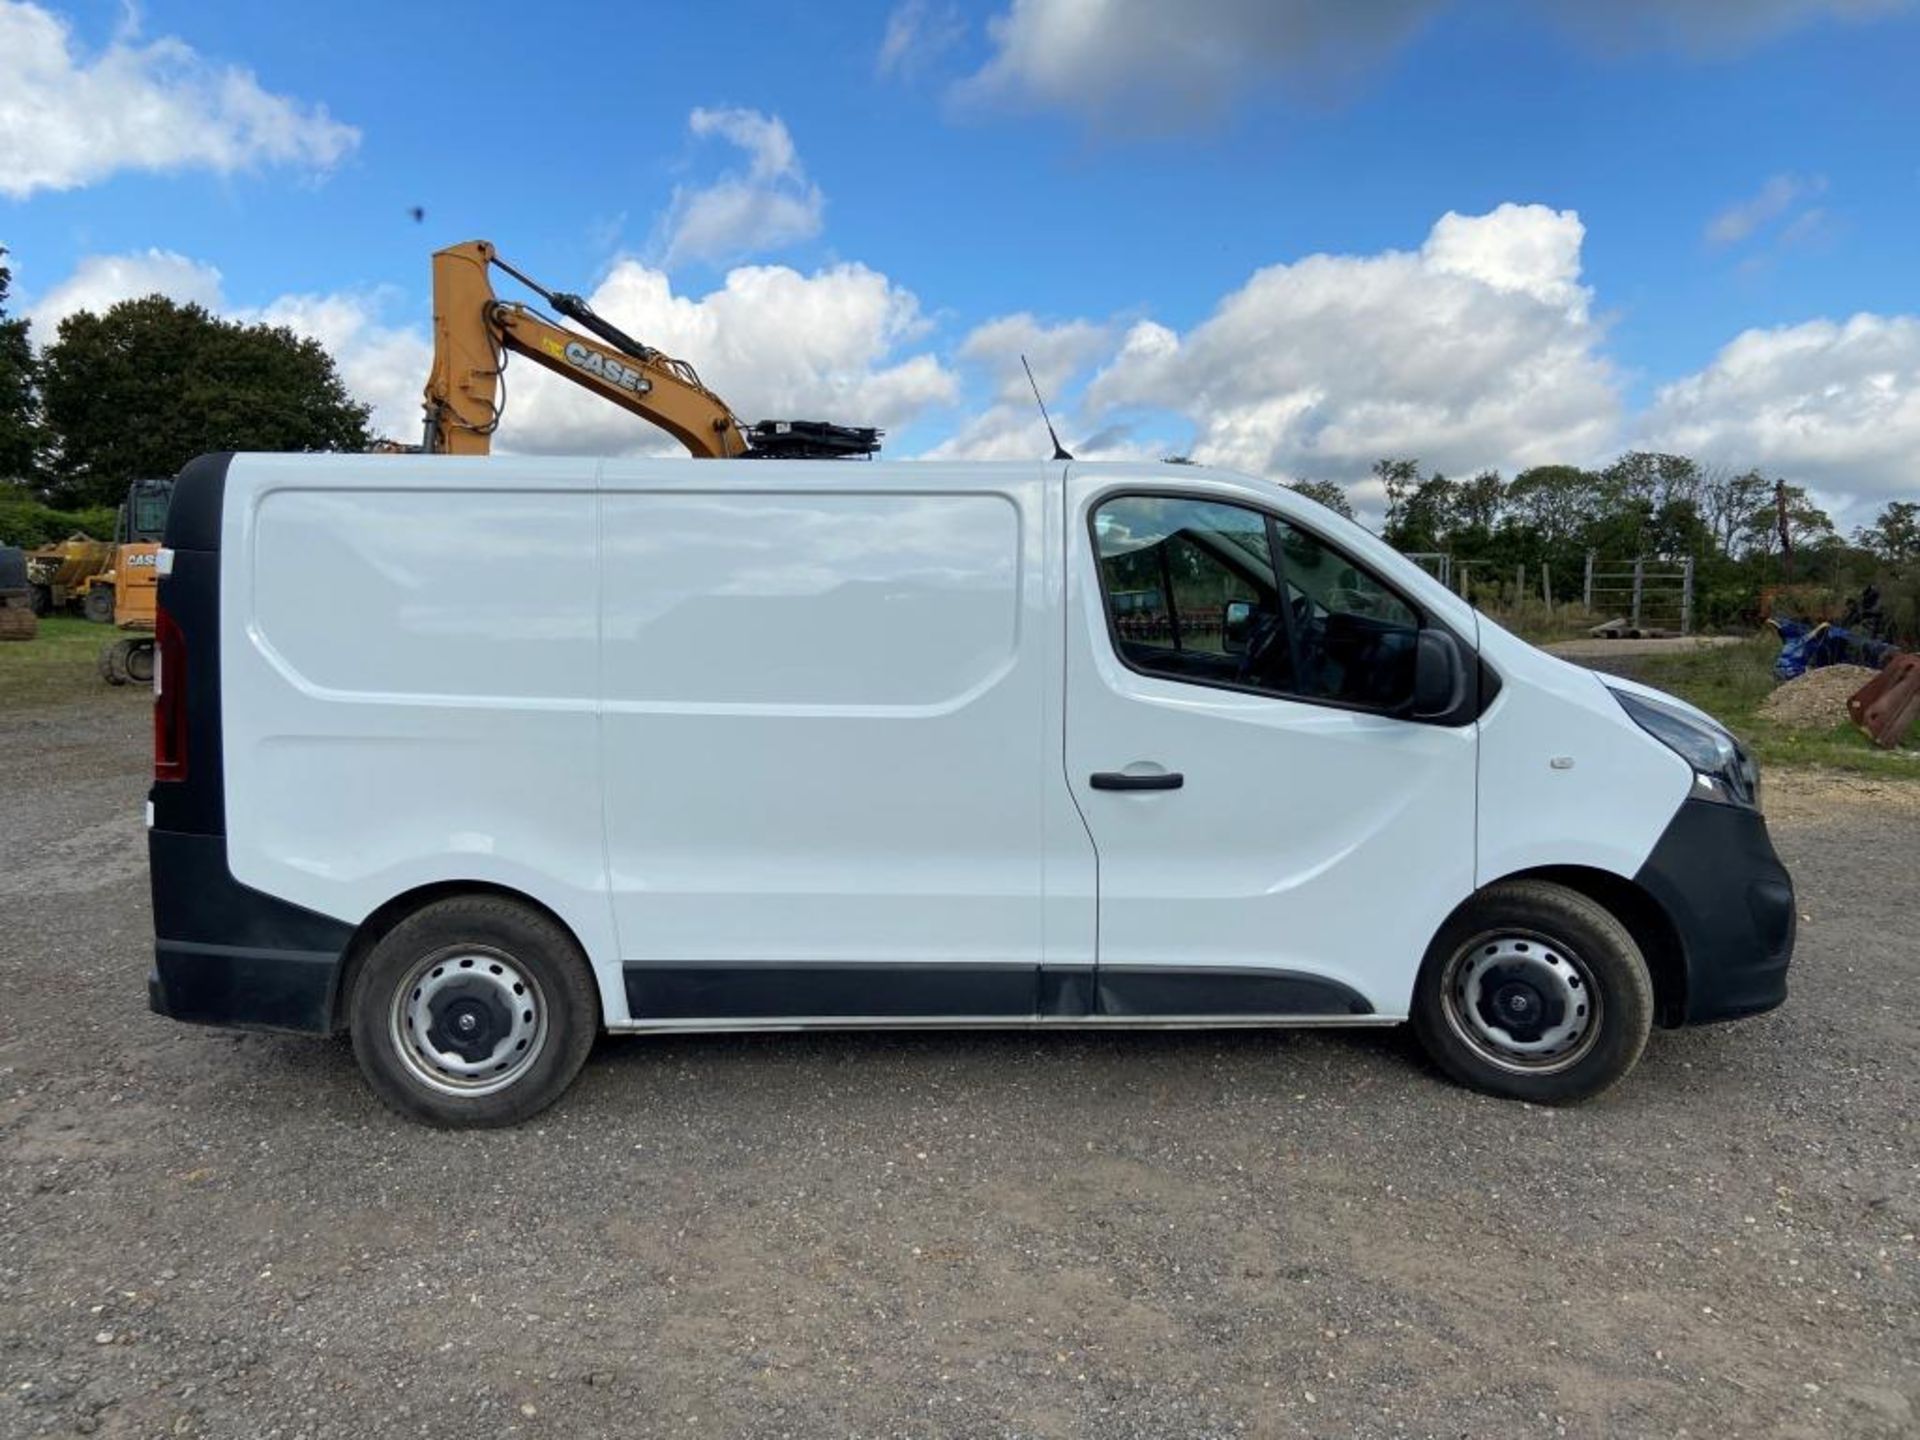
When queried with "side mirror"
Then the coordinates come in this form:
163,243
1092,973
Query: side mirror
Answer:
1440,674
1236,624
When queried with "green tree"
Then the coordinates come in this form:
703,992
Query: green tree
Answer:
1399,479
144,388
1727,500
20,434
1555,502
1808,526
1326,493
1895,536
1480,502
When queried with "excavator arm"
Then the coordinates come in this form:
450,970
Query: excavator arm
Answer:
473,331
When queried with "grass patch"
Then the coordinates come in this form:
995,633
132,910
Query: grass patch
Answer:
1730,681
59,665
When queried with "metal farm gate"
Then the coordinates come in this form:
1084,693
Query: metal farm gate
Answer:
1646,592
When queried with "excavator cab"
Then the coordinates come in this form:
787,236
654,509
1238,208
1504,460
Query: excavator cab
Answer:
126,595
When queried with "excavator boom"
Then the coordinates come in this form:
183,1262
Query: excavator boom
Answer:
473,332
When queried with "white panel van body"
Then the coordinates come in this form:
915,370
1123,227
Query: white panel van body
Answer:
478,757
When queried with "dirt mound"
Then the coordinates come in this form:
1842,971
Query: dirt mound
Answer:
1816,700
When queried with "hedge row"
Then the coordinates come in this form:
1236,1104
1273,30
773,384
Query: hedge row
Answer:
29,523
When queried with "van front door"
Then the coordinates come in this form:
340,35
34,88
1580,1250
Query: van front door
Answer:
1271,839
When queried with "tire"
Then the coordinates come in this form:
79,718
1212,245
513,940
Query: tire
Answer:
17,621
1534,992
457,963
98,604
139,661
42,600
113,662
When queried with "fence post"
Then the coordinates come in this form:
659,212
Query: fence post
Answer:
1686,597
1546,587
1639,575
1586,590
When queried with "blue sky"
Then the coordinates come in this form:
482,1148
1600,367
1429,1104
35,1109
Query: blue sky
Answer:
1709,241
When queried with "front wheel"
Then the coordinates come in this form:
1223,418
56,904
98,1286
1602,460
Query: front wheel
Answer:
474,1011
1534,992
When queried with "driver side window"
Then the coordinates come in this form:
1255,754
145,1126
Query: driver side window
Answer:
1214,593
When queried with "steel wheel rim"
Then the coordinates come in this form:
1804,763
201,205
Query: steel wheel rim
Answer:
1522,1002
469,1021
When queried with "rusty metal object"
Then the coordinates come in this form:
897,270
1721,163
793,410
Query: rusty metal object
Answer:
1886,707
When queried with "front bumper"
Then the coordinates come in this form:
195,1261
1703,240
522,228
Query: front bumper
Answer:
1731,901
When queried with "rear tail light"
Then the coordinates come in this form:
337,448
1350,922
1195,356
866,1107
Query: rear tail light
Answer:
169,698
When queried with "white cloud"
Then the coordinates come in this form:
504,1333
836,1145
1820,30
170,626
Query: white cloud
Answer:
1835,405
1011,428
1780,195
68,119
917,33
769,205
1144,65
1134,66
1476,350
99,282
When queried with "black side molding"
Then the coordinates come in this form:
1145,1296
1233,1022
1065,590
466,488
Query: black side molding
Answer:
1173,991
779,990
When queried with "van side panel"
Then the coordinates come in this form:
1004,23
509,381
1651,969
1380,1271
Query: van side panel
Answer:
825,739
408,673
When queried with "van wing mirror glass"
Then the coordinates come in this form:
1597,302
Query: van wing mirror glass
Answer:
1440,673
1236,624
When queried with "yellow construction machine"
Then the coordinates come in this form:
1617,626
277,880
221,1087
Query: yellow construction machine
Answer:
128,592
62,573
474,332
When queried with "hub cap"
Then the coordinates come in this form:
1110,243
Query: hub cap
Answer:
1521,1002
469,1021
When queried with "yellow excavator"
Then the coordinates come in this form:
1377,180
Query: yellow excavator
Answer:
474,333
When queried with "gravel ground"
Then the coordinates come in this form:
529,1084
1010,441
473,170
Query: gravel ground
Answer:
945,1234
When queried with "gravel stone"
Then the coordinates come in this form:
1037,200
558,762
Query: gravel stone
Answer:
1012,1235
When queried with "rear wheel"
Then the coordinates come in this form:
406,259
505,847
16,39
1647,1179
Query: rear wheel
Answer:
1534,992
42,600
474,1011
115,658
139,661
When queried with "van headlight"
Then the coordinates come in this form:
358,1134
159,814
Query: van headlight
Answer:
1722,768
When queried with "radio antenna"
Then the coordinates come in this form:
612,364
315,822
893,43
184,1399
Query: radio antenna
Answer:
1060,452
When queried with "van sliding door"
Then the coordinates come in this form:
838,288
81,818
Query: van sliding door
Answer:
823,742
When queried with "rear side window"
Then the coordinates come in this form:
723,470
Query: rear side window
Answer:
1220,594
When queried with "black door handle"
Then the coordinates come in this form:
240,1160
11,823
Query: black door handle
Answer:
1120,780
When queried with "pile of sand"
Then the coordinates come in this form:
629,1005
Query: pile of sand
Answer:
1816,700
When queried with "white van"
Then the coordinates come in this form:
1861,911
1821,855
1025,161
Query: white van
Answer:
476,758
